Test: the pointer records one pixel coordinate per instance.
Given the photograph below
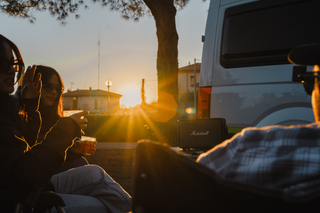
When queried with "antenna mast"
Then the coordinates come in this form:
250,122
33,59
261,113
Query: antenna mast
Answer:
98,59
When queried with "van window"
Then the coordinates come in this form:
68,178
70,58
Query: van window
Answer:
263,32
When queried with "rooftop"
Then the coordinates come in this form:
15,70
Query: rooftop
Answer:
190,67
90,92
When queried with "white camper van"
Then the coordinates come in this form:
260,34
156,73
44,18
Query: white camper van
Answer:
245,75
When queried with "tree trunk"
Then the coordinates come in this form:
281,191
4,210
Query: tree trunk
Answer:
164,13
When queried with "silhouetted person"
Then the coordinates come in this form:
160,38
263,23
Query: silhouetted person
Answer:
84,189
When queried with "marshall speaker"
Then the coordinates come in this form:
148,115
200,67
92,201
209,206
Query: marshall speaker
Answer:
201,133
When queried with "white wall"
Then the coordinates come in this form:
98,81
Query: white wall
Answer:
88,103
184,82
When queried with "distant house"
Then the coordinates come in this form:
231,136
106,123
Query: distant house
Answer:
186,78
98,101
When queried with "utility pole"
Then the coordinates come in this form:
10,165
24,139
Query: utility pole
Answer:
98,59
143,97
108,83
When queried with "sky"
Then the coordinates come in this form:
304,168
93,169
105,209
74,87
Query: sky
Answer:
128,49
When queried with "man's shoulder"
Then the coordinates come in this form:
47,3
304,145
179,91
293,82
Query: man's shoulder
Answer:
277,135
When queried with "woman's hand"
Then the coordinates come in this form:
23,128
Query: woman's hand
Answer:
76,148
30,88
80,119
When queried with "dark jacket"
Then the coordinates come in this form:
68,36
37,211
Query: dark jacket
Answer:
24,167
46,125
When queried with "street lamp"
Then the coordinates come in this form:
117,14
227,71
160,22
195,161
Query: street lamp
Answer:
108,83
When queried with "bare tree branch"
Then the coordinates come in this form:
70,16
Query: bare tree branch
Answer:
129,9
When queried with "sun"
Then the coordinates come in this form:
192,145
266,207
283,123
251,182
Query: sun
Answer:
131,97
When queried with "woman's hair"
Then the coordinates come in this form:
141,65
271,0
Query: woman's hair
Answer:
56,110
17,53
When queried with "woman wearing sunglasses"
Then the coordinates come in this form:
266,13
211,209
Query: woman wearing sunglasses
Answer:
24,168
51,110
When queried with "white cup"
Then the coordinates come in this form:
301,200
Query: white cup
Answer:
67,113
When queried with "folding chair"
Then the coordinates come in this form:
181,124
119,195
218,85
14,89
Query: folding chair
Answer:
165,181
15,202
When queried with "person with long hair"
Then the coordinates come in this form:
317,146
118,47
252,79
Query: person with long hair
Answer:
24,167
51,109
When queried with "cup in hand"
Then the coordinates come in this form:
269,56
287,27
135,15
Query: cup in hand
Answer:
88,145
67,113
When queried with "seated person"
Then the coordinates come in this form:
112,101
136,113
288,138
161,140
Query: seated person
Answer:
85,188
276,157
51,110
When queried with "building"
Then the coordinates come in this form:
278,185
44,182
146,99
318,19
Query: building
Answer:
95,101
186,78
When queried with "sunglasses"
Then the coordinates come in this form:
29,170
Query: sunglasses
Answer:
49,88
15,63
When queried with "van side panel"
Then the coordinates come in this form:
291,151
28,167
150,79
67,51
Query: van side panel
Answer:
247,105
205,76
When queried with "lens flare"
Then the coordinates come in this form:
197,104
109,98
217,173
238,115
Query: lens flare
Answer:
316,68
167,107
190,110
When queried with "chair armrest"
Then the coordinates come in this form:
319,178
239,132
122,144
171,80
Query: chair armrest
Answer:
47,198
50,198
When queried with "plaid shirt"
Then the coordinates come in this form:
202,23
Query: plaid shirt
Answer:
277,157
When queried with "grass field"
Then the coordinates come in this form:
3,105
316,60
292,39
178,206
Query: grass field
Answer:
118,163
